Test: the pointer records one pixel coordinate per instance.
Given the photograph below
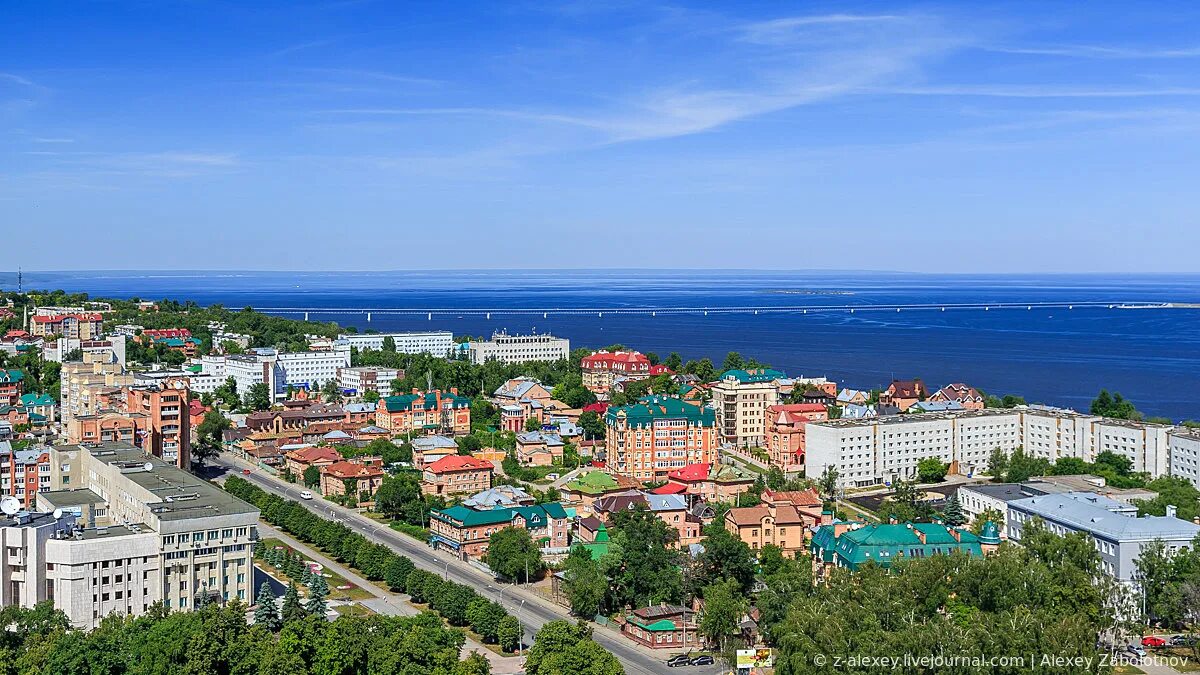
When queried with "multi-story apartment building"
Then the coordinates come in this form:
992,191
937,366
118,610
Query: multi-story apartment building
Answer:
874,450
80,326
24,473
421,413
169,430
153,418
1183,448
651,438
1118,534
87,388
132,530
433,342
740,399
277,370
601,368
358,380
507,348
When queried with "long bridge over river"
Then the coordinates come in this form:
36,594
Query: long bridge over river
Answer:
601,312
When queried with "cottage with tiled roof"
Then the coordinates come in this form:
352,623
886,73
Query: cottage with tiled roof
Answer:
904,393
852,545
467,531
351,477
964,394
296,461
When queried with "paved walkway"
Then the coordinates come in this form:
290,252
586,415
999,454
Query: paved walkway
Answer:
391,604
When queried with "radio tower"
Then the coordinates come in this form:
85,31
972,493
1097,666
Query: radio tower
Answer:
19,289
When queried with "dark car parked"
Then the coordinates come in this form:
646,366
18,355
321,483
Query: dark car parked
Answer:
679,660
702,660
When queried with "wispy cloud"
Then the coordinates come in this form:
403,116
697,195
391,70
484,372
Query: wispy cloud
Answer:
17,79
785,29
1100,51
52,140
1036,91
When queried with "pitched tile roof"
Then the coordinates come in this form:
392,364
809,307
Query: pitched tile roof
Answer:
459,463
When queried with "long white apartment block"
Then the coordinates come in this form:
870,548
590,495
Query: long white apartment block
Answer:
434,342
275,369
507,348
877,450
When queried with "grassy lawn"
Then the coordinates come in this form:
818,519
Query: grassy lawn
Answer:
1191,665
353,610
1126,669
336,581
419,533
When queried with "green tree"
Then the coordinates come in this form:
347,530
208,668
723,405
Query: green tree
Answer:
331,392
209,436
828,482
643,563
988,514
586,585
1022,466
931,470
562,648
396,574
453,602
725,557
733,361
292,609
484,617
312,475
998,464
258,397
953,512
508,633
370,396
513,554
1114,405
724,605
395,493
593,427
532,424
318,590
389,344
266,614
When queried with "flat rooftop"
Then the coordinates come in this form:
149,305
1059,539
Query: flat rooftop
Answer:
1005,491
61,498
182,495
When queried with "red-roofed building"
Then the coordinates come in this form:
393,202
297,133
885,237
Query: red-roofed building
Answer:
456,474
904,394
601,368
196,411
87,326
965,394
355,477
660,369
785,432
6,313
599,408
670,489
711,482
296,461
162,333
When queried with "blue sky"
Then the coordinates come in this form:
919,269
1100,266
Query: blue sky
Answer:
1046,137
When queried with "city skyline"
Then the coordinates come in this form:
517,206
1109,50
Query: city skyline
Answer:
910,137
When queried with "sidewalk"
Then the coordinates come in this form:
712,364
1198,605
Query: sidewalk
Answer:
391,603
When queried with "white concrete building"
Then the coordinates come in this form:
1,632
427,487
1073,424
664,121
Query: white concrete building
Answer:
507,348
132,531
434,342
1183,449
277,370
876,450
740,399
355,381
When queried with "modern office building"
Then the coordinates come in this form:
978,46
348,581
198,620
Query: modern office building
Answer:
433,342
131,530
277,370
507,348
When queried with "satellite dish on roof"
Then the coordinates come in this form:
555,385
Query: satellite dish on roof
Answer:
58,514
10,505
149,466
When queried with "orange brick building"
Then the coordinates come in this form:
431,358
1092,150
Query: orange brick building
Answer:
359,477
87,326
784,438
419,413
456,474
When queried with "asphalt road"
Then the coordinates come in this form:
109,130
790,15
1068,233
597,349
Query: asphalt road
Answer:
532,610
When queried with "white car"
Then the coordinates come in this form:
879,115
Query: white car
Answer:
306,495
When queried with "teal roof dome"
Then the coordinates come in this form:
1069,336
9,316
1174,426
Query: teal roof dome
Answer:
990,534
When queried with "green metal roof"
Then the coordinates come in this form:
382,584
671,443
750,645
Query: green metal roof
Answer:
10,376
660,625
644,412
756,375
598,549
883,544
36,400
428,401
535,516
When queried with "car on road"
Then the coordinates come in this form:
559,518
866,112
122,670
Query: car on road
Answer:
1182,640
679,660
245,472
1135,651
306,495
1153,641
702,660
